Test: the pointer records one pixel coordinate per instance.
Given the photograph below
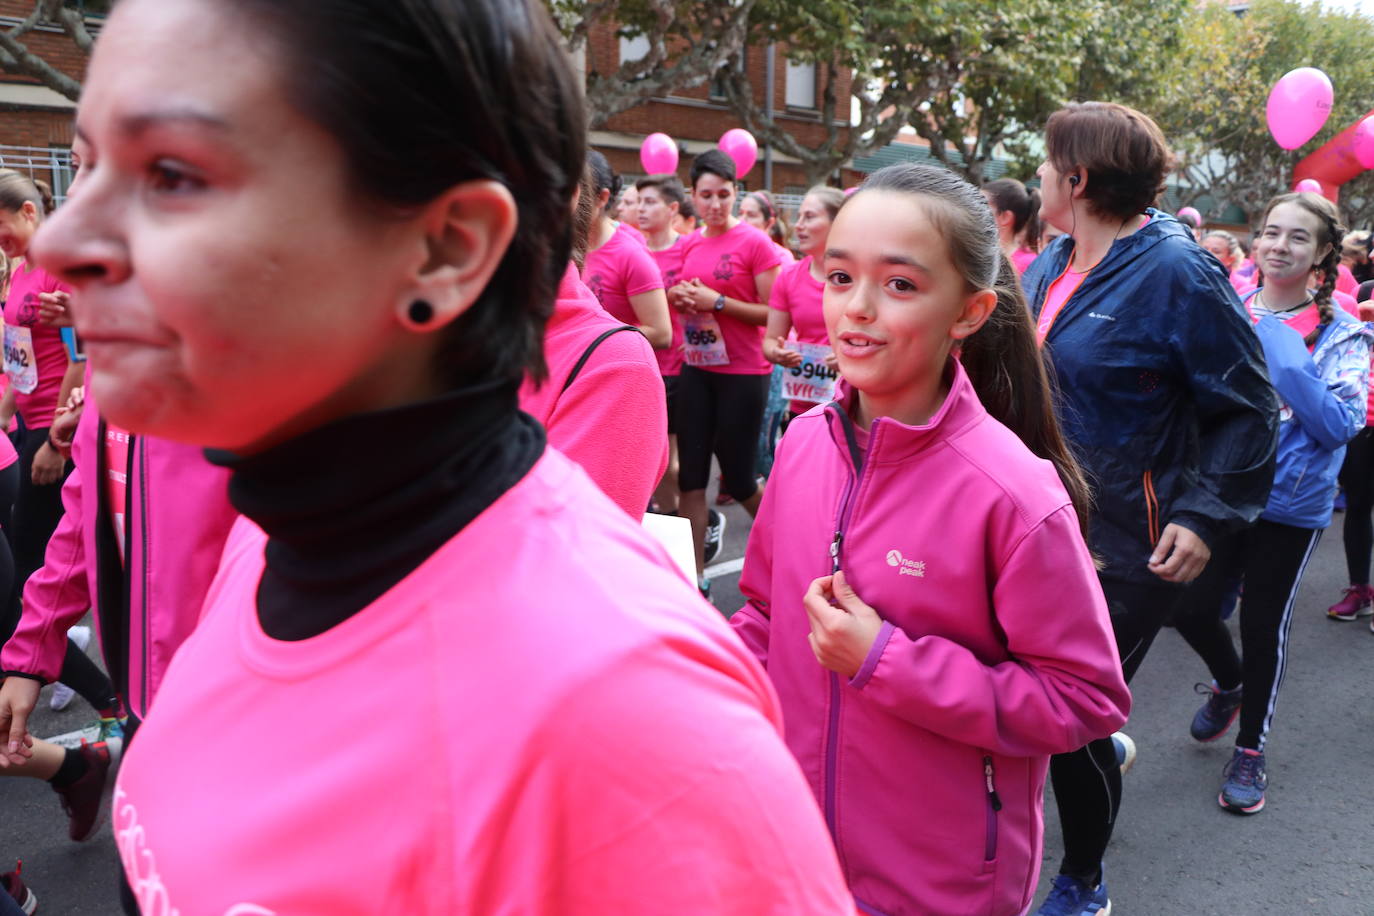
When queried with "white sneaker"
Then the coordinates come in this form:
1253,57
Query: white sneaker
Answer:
62,694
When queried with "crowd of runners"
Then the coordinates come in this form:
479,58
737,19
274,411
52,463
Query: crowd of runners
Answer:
338,397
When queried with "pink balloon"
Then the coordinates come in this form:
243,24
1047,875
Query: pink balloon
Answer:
1308,186
740,146
658,154
1191,211
1364,142
1298,107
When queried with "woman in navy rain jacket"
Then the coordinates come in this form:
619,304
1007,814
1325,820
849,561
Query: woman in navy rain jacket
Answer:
1163,395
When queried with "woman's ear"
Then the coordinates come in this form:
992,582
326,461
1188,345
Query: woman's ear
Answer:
978,308
466,233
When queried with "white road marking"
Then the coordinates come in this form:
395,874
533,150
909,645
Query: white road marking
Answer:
724,568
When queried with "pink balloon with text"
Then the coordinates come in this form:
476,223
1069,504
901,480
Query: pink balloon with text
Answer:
1298,106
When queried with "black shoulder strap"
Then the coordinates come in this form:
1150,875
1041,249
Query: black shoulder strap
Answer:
591,348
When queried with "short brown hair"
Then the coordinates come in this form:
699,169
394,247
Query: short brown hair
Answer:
1122,150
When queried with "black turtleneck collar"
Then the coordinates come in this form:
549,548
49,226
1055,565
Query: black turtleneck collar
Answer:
352,508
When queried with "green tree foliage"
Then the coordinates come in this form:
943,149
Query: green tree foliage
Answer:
967,75
1212,99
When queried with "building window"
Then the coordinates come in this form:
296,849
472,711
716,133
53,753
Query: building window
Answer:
801,85
89,7
633,48
718,93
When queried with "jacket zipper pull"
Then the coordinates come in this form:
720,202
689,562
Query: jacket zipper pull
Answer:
835,552
992,792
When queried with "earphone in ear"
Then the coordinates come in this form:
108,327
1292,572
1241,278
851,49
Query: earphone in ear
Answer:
1074,179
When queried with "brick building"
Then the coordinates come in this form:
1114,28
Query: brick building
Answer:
697,117
35,121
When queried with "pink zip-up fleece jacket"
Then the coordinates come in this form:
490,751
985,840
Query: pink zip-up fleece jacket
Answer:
613,419
542,719
996,649
177,521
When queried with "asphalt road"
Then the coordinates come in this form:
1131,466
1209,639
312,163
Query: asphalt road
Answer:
1311,851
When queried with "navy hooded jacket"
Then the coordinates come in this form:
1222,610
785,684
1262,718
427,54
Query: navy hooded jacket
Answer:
1162,393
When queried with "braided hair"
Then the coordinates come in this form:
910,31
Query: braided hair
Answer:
1330,231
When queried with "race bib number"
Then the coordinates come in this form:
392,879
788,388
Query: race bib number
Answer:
20,363
705,345
813,381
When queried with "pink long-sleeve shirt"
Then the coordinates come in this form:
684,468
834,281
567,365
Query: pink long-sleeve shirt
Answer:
541,719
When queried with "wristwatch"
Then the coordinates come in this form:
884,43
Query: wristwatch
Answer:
720,303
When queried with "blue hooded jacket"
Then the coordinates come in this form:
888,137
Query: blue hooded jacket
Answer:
1162,393
1324,399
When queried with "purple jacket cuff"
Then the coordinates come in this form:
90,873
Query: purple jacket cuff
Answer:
875,655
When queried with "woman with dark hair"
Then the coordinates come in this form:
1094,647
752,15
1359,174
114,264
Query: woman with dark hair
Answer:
1017,210
1163,395
531,733
1318,357
617,268
758,210
727,276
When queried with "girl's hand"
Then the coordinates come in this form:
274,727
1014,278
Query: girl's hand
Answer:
48,464
52,309
680,297
700,297
63,429
841,637
775,351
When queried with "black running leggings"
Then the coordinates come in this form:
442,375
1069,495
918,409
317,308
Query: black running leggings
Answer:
1270,558
722,414
1087,782
1357,477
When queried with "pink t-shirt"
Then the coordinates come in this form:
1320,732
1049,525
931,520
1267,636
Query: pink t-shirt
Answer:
1345,280
531,736
786,254
728,263
613,419
35,357
1056,297
1346,301
669,262
619,270
799,294
1021,259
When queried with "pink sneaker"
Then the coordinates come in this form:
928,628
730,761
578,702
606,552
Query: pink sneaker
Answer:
1358,601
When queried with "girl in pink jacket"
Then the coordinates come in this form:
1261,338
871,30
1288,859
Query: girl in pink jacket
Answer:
917,580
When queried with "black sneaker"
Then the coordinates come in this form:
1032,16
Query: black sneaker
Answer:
715,534
12,884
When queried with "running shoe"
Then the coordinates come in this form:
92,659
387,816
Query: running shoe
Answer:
1072,897
1125,751
112,728
1242,791
715,534
1358,601
704,586
1217,713
62,695
12,884
85,800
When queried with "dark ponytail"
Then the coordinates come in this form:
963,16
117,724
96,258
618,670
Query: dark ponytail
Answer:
1003,361
604,178
1011,196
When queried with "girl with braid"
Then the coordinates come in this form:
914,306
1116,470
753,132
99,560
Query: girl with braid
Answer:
1318,358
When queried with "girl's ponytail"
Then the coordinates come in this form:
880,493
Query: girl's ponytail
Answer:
1013,379
1032,236
1325,309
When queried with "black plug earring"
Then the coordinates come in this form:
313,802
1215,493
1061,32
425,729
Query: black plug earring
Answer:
420,312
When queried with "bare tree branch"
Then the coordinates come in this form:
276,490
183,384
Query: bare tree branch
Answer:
15,57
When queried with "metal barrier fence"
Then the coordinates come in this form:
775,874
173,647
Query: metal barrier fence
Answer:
51,164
